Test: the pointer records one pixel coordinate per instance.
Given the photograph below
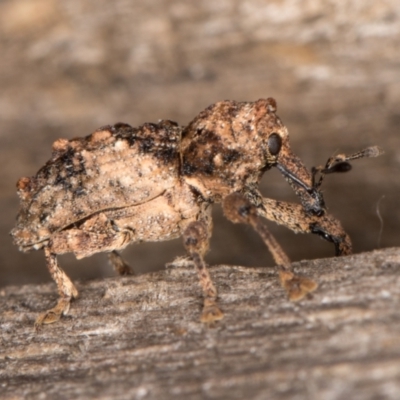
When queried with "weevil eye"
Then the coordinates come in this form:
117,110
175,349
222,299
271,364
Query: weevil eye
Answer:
274,144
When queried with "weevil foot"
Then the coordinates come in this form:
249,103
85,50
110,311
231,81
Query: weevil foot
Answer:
119,264
211,312
54,314
296,286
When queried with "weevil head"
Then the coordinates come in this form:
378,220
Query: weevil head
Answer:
277,153
231,144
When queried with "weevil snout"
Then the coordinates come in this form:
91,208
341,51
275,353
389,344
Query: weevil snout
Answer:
306,186
300,179
316,204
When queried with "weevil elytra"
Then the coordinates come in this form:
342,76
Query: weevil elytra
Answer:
123,185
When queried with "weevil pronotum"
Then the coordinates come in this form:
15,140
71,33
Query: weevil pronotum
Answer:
123,185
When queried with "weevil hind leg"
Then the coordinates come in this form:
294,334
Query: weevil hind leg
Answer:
239,210
66,289
195,239
119,264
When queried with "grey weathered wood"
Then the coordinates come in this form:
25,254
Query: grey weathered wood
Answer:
140,337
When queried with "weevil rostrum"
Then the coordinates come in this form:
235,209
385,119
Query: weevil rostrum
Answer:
123,185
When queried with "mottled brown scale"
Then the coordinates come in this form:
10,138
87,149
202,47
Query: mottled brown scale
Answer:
123,185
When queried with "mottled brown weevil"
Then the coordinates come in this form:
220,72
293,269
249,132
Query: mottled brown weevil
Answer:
123,185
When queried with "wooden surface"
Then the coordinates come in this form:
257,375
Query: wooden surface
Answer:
140,338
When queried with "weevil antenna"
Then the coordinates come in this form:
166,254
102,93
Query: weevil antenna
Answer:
340,163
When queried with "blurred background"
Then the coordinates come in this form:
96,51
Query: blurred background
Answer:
70,67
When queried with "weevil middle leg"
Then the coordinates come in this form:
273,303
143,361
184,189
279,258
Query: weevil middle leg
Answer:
239,210
195,239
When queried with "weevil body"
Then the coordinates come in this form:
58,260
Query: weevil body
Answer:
123,185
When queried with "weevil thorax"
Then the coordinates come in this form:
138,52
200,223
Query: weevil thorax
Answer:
228,146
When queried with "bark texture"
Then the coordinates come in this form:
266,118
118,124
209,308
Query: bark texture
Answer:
140,337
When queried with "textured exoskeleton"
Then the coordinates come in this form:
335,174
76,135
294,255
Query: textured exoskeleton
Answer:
123,185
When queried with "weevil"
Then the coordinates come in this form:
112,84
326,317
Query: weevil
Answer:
123,185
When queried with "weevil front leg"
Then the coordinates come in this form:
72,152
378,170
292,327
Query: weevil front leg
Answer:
294,217
195,239
239,210
66,290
